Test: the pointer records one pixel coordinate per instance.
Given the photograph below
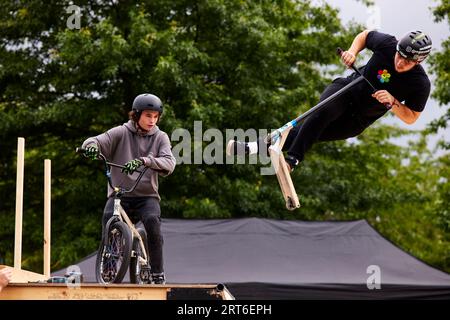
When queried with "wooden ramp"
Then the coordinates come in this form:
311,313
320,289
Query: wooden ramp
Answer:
27,285
94,291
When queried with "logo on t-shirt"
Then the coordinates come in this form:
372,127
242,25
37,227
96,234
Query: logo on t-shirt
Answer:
383,76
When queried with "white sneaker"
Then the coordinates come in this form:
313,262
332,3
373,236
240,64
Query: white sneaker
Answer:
237,148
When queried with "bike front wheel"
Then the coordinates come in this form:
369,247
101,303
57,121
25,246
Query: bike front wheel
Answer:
113,257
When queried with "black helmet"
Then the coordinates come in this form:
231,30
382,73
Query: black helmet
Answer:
415,45
147,101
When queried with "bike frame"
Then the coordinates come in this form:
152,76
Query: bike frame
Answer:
119,213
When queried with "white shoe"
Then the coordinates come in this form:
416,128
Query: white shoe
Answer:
237,148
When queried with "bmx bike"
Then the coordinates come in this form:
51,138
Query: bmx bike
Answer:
123,246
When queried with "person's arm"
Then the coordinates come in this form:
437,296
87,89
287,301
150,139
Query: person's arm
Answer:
5,277
404,113
165,161
359,43
105,142
400,110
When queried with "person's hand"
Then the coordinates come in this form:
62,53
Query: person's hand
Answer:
132,165
5,277
92,152
384,97
348,58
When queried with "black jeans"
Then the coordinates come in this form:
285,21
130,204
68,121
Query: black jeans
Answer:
337,120
146,210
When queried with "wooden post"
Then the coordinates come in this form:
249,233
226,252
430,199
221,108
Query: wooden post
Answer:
47,215
19,203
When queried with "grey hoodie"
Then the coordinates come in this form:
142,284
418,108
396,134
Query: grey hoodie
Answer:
124,143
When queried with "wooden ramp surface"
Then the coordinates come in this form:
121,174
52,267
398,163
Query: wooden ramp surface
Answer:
94,291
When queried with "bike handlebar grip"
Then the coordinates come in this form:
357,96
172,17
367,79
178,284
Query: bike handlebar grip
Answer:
339,51
80,150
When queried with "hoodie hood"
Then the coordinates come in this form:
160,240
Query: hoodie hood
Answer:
131,125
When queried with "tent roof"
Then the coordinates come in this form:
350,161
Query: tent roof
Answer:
286,254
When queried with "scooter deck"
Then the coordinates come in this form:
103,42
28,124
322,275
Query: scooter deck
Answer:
284,178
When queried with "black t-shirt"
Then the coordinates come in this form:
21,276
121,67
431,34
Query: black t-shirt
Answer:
411,87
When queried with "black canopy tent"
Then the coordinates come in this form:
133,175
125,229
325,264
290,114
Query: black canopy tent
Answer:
273,259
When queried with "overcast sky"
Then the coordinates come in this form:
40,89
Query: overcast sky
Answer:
397,17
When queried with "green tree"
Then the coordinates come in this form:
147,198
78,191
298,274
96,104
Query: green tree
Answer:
439,211
440,63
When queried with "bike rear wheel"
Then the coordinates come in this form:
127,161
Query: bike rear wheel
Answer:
140,273
113,257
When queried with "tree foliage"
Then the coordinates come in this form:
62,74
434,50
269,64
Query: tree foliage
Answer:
440,63
227,63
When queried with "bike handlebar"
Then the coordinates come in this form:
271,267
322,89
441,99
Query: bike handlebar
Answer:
108,165
81,150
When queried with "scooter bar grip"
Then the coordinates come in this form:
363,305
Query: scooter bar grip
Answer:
339,51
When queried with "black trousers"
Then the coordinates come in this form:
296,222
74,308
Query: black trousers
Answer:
146,210
337,120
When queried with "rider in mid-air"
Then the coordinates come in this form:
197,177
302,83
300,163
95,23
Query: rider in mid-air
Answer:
402,87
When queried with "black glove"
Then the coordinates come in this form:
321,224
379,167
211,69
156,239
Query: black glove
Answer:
132,165
92,152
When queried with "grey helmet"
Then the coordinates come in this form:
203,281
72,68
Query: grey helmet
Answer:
147,101
415,45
